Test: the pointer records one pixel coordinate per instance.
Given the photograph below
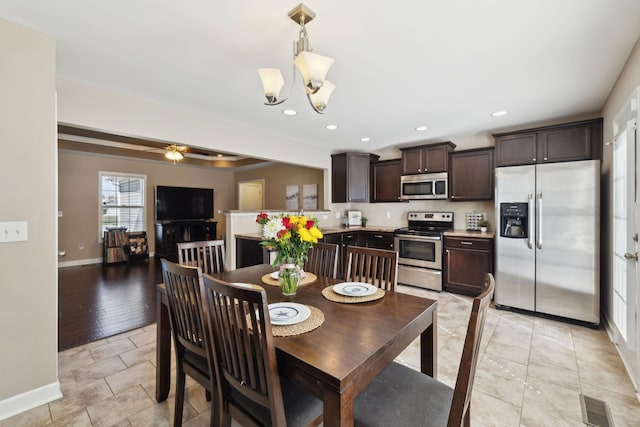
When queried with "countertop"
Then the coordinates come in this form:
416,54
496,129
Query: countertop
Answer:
328,230
470,233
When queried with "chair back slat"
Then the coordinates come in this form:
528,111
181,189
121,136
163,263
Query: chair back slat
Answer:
245,351
209,255
459,413
323,260
185,305
378,267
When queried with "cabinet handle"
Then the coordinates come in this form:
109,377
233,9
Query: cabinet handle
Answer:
545,158
378,236
534,159
466,243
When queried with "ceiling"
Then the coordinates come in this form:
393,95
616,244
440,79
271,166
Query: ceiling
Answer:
443,64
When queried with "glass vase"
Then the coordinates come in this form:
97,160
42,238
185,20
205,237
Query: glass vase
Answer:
289,279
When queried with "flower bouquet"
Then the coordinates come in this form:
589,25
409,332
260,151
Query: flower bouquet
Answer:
292,236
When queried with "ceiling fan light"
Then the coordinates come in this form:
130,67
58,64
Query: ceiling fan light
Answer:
320,99
314,69
272,82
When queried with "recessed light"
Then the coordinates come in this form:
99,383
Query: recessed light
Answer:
219,155
421,128
289,112
499,113
365,139
331,127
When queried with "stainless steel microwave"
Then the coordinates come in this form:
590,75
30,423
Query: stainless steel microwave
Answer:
424,186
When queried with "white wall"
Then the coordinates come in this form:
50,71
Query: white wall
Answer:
28,275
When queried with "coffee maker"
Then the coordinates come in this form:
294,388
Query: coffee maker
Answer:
514,220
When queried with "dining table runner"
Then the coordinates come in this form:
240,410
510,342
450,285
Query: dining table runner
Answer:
332,295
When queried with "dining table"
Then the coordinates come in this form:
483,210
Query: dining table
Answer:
338,359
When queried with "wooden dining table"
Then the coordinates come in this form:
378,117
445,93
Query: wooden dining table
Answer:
340,358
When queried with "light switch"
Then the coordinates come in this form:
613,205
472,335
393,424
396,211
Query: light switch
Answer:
13,231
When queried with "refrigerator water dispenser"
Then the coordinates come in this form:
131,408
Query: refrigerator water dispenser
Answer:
514,220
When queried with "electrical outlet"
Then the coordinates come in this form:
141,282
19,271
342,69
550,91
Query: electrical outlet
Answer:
81,246
13,231
338,214
388,215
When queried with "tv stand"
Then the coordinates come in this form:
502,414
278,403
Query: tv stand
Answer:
170,233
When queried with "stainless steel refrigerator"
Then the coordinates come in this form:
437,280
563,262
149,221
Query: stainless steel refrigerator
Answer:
548,239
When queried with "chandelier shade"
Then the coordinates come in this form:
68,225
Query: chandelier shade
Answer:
174,153
272,82
312,67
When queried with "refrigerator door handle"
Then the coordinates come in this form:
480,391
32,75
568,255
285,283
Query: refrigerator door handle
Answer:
530,234
539,221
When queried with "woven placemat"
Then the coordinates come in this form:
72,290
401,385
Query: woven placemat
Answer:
309,278
331,295
314,321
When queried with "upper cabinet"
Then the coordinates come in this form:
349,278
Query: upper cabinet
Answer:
471,174
426,158
385,181
559,143
350,177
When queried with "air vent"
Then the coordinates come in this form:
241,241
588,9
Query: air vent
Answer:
595,412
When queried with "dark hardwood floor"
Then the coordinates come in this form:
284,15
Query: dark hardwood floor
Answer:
97,301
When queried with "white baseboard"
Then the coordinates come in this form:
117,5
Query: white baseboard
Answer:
88,261
609,330
29,400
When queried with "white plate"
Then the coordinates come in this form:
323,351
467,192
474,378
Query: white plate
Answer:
288,313
354,289
274,275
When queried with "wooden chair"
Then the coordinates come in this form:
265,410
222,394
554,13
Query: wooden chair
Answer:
323,260
190,334
209,255
252,391
405,397
378,267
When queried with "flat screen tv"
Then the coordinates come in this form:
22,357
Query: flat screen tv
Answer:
183,203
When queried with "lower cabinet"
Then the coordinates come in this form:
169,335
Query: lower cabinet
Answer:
250,252
369,239
467,260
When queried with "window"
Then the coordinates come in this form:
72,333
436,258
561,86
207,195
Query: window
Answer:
122,201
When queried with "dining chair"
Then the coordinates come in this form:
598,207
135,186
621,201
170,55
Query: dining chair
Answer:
403,396
253,392
191,339
209,255
322,260
378,267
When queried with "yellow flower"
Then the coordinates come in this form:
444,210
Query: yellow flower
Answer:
315,232
305,235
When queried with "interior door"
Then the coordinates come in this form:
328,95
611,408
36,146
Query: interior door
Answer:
625,242
251,195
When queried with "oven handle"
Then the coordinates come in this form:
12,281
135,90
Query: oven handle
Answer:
417,238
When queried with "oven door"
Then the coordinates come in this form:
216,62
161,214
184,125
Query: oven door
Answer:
419,251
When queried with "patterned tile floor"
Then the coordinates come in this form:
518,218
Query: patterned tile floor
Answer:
531,372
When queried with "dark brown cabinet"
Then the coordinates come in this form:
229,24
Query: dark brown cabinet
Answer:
350,177
559,143
471,174
429,158
169,234
376,239
385,181
467,260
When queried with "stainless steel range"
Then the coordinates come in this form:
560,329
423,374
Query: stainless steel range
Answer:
419,247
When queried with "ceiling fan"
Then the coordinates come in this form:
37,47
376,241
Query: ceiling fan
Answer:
174,152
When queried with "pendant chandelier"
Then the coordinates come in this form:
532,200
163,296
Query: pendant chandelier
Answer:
312,67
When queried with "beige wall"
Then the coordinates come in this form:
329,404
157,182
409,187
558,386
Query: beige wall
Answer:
28,276
79,187
628,80
277,177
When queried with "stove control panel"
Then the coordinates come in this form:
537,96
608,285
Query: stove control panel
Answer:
431,216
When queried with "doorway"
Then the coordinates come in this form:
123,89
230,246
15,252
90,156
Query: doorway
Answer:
626,221
251,195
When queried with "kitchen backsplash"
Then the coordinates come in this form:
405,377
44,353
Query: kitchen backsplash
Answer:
395,214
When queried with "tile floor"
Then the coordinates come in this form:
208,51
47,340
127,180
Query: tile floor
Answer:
530,373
